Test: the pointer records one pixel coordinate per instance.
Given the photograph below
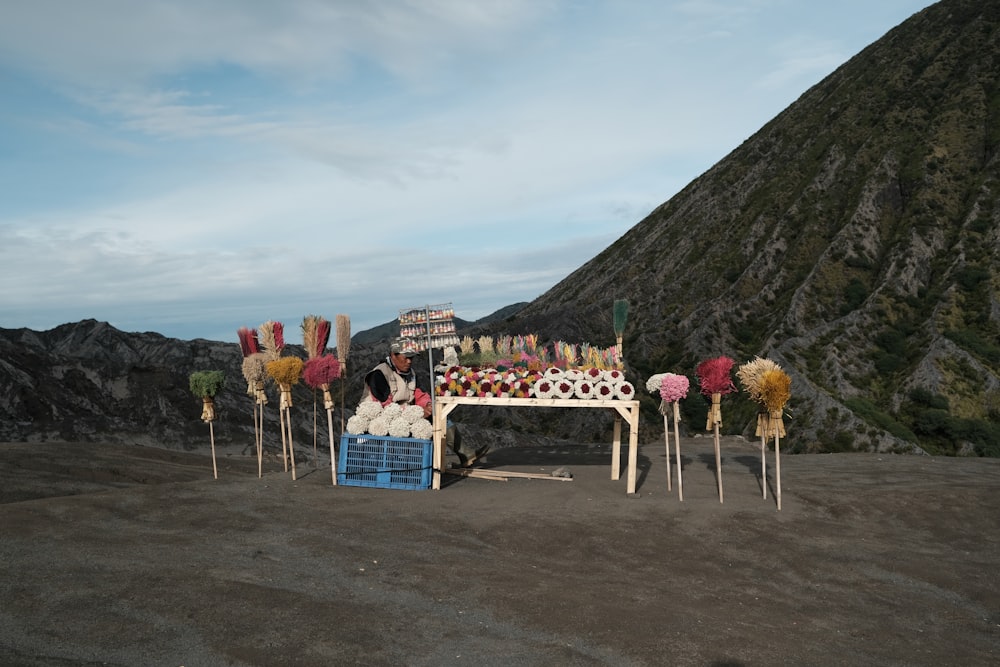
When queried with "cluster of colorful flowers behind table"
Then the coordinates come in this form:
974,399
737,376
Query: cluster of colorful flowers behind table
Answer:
519,367
508,352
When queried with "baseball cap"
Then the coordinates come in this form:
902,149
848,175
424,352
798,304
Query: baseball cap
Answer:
404,346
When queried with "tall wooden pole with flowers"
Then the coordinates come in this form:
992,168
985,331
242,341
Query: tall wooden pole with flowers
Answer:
205,385
714,380
750,375
255,374
672,389
343,330
286,372
318,372
620,317
775,390
272,342
315,335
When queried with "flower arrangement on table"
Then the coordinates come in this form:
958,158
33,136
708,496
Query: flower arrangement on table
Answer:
516,382
505,352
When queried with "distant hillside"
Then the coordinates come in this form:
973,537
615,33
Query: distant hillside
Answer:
855,240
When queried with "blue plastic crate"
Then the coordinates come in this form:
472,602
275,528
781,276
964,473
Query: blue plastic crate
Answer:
385,463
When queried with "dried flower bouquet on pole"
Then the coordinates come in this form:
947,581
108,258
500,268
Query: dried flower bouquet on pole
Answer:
205,385
770,388
318,372
286,372
750,375
671,389
343,330
255,374
714,380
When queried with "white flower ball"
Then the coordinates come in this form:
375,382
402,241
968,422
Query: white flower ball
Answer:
399,428
412,413
379,426
392,411
654,382
422,429
369,410
356,425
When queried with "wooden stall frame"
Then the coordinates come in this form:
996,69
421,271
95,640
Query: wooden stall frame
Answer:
627,410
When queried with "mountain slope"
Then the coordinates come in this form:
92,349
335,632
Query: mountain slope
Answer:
853,239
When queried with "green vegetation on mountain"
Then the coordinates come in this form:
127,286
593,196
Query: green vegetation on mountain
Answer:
854,240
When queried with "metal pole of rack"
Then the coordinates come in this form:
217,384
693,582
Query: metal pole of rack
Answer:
430,354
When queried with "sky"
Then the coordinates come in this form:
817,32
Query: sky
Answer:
190,167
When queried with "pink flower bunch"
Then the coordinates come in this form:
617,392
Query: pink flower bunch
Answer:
674,387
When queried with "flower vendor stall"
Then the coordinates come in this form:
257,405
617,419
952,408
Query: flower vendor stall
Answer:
514,371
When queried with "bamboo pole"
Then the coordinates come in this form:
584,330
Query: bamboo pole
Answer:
763,464
777,467
716,419
291,446
666,441
260,444
211,434
315,430
284,442
677,448
333,454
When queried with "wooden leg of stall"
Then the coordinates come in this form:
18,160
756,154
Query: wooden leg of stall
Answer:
616,448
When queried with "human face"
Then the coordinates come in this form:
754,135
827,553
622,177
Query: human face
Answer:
401,361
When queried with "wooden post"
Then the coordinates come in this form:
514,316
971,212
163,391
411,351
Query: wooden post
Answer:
260,443
777,467
677,448
666,441
333,454
716,420
284,442
211,434
291,447
763,464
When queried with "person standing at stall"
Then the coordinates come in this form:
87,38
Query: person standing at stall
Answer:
393,381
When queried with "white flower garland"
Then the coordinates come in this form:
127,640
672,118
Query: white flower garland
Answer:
604,390
562,389
614,376
544,388
584,389
625,391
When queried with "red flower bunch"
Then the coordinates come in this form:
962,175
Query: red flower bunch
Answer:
320,371
713,376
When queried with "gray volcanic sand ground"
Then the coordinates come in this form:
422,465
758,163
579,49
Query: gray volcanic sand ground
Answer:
119,555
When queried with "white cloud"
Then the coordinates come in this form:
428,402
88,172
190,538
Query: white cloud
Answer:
183,164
